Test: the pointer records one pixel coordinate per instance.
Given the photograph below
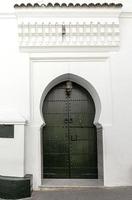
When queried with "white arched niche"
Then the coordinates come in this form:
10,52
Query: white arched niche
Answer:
88,86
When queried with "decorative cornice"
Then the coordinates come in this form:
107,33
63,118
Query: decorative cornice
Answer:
85,34
68,29
70,5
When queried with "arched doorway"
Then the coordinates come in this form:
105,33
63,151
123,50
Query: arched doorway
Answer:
69,136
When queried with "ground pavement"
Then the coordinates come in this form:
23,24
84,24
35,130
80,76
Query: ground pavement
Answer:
116,193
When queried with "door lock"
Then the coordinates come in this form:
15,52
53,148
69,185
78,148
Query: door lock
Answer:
66,121
74,138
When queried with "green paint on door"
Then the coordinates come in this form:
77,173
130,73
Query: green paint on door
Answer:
69,137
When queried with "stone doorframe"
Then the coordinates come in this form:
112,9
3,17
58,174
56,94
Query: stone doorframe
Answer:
85,84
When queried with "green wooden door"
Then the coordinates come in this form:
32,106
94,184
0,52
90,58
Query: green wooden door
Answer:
69,137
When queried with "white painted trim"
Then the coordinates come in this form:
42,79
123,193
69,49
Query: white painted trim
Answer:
9,15
70,49
68,55
11,117
14,122
66,12
71,59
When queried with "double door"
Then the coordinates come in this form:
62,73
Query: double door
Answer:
69,137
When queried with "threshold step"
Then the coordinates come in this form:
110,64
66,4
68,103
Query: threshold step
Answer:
69,183
67,188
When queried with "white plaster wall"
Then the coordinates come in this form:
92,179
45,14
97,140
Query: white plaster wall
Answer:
14,69
118,143
116,110
14,96
12,153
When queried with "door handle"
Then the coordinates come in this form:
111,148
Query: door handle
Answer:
70,120
74,138
66,121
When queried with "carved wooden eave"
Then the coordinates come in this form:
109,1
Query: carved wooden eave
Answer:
68,27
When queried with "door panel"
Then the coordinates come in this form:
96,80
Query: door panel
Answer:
56,106
85,133
84,173
55,133
82,147
55,120
80,119
56,172
83,158
55,166
69,137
